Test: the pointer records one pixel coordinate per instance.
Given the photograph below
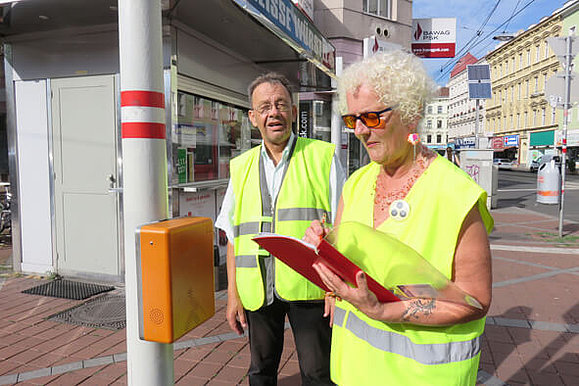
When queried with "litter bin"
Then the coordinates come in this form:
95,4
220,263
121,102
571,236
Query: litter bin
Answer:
548,183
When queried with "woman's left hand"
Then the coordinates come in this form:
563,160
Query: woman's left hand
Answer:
360,297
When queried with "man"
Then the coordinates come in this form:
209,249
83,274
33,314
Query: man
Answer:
280,186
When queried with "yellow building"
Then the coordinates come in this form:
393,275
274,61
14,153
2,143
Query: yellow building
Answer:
519,115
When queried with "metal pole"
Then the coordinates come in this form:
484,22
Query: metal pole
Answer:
476,139
566,102
144,168
336,133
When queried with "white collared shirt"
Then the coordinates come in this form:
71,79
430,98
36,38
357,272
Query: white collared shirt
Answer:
274,177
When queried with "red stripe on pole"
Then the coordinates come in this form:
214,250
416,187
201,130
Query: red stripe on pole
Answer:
143,130
143,98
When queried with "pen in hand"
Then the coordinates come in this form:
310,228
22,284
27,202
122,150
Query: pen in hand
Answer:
323,226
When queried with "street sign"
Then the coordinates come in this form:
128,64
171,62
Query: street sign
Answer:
479,81
555,89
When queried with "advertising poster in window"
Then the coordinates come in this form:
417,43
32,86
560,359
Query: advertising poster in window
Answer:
197,204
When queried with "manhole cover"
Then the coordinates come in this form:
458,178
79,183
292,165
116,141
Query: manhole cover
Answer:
107,311
68,289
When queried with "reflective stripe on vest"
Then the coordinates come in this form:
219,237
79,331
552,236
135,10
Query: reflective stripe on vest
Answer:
302,214
428,354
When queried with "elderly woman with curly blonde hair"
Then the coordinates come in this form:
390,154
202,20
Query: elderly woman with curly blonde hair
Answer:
425,202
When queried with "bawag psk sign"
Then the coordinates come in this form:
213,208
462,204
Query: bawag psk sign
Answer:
434,38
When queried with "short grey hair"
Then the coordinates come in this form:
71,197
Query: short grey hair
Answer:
270,77
398,78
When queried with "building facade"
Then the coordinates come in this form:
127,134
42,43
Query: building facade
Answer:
433,128
462,128
357,28
519,114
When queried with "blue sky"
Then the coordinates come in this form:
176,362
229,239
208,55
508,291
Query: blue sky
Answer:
470,15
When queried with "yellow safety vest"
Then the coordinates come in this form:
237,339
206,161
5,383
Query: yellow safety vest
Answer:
370,352
304,195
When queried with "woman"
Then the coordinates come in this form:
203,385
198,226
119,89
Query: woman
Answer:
444,218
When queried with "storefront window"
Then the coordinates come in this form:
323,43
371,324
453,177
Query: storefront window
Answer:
322,121
207,135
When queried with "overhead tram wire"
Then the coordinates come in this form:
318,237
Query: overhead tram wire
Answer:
475,36
488,35
516,6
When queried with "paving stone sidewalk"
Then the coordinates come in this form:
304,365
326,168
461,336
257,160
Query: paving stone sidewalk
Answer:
532,332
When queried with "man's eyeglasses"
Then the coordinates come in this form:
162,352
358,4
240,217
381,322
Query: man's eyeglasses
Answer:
370,119
266,108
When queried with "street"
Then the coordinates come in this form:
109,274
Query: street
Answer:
519,189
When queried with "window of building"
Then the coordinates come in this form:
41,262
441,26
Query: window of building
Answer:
513,93
526,121
429,123
536,84
544,80
500,96
543,117
520,60
506,67
500,70
511,120
377,7
439,124
553,115
518,120
527,87
513,61
429,138
535,117
519,92
538,52
528,57
439,109
429,109
438,138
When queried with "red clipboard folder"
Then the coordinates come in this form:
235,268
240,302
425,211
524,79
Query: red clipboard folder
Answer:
300,256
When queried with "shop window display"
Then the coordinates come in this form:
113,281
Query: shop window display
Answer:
207,135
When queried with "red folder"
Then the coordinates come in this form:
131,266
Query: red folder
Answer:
300,256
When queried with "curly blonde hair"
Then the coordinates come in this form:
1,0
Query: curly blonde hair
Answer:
398,78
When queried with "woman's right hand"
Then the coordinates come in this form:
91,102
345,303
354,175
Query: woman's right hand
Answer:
315,233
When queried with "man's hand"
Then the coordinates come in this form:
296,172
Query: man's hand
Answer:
235,314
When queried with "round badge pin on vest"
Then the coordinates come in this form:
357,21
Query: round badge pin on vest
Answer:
399,210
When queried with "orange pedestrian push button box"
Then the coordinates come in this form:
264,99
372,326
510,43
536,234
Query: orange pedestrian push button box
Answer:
175,278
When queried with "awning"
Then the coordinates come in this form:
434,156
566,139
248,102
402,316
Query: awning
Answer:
285,20
273,34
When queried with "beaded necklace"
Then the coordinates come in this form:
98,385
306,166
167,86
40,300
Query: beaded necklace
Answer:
385,196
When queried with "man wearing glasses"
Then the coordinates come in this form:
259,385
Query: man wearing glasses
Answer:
279,186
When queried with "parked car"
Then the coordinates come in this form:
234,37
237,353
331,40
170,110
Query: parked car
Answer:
503,163
536,164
